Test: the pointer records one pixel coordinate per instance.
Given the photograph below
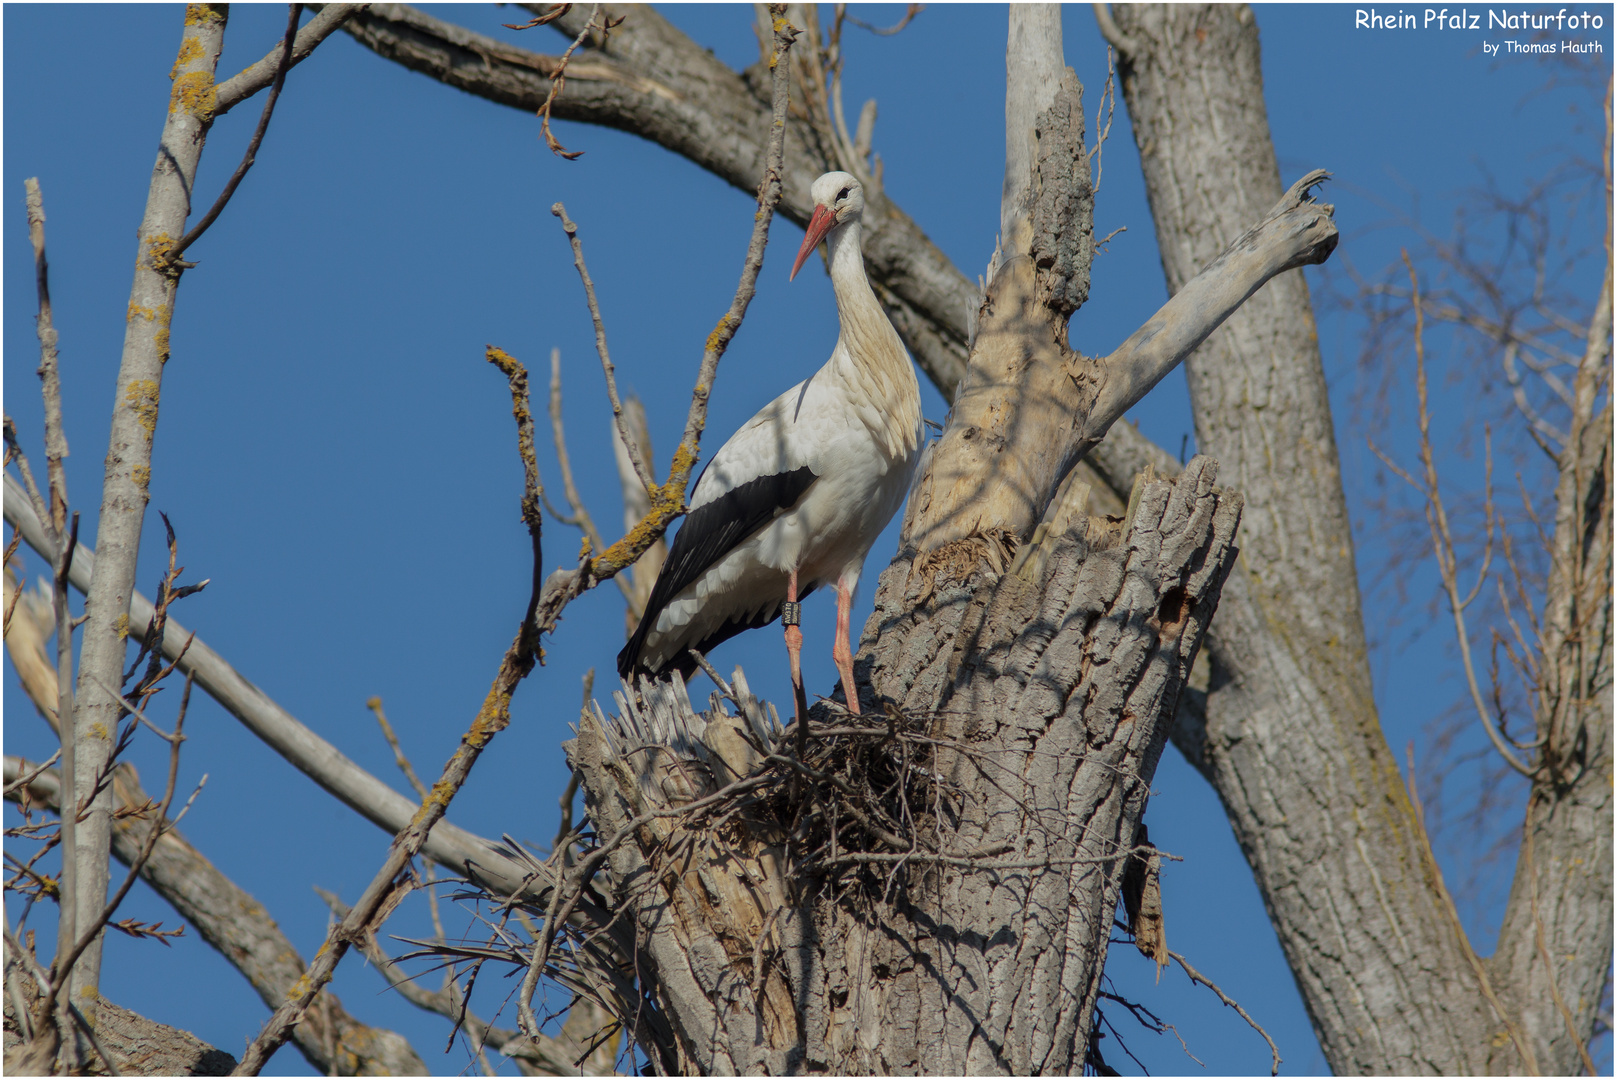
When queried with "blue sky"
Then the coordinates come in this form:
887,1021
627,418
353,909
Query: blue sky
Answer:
338,458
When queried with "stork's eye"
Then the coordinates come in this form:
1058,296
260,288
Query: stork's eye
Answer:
843,194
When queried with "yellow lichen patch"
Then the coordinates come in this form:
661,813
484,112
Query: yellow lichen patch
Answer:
141,397
157,248
720,331
138,311
194,94
679,469
160,339
142,476
190,53
203,15
98,730
122,625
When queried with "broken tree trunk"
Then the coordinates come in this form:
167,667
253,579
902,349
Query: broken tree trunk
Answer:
930,888
932,892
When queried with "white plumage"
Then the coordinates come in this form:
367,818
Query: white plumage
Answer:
795,499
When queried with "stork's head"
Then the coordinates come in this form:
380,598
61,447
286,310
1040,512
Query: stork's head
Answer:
838,199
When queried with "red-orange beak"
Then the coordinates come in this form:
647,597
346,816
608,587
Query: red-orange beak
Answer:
819,225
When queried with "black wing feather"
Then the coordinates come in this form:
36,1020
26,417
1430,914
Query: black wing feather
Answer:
711,532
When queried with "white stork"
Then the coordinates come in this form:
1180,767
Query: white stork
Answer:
795,499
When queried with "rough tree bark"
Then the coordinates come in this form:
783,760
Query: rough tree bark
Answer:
1287,730
1045,684
135,1044
983,956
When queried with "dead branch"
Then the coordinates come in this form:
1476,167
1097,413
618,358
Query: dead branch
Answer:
1196,976
448,845
229,920
648,481
387,888
558,77
1443,540
251,80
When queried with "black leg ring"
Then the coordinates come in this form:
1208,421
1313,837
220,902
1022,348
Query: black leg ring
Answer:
791,613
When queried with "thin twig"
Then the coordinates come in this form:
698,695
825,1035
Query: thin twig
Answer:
564,828
558,434
1108,106
64,965
403,762
285,64
558,79
640,470
1443,541
448,1003
28,778
1196,976
374,704
49,373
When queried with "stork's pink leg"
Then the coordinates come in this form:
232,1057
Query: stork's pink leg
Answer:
840,651
790,616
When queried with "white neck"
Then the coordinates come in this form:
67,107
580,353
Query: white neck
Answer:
866,331
869,350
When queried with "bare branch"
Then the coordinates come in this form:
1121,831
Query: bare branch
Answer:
49,372
1196,976
126,489
558,434
558,78
450,846
1114,36
1443,541
238,88
247,159
229,920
